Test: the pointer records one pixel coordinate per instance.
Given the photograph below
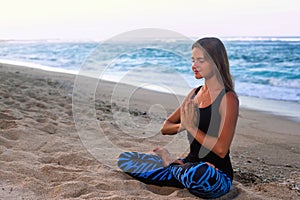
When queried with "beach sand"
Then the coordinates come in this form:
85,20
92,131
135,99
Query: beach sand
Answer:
44,156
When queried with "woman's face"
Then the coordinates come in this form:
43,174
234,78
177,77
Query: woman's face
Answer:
201,67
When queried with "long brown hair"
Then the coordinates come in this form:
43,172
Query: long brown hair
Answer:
215,49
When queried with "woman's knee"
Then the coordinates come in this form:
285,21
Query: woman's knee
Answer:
207,182
195,174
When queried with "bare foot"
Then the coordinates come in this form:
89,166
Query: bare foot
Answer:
165,155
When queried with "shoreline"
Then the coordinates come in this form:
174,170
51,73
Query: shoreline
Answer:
44,155
286,109
281,108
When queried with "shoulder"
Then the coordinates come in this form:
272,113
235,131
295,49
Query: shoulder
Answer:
231,97
230,100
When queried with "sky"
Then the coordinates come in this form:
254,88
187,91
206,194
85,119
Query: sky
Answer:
103,19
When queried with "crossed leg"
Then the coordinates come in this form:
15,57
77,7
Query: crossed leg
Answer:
201,179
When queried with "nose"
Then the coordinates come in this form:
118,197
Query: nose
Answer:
195,65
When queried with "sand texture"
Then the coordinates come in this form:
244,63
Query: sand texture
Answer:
44,156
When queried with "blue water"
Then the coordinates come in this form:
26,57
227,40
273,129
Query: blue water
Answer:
267,68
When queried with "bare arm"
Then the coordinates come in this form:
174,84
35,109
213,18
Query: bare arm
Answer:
172,124
229,113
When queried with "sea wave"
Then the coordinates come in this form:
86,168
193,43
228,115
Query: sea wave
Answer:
264,67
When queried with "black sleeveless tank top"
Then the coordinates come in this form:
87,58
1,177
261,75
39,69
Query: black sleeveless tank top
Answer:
209,123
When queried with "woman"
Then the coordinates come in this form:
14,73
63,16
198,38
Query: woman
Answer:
209,115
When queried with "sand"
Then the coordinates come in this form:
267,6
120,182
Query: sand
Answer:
56,147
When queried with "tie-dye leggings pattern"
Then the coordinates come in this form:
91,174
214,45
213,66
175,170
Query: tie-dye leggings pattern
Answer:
199,178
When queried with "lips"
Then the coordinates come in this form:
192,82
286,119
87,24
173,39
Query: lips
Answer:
196,70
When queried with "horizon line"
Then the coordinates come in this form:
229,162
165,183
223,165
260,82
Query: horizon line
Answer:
244,37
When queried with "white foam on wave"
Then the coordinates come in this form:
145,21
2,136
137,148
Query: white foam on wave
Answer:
283,83
267,91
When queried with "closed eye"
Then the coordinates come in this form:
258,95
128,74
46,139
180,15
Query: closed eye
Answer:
199,60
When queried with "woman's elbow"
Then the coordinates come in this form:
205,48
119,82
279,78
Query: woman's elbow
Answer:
163,131
168,128
221,152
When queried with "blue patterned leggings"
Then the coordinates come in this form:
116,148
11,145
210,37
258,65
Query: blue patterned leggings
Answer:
199,178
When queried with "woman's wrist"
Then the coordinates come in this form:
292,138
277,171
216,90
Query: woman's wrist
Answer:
180,128
192,130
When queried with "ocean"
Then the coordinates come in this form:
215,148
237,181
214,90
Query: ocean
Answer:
264,69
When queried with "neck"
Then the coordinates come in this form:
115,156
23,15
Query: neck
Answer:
212,84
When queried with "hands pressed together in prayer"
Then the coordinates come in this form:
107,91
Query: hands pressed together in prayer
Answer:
189,116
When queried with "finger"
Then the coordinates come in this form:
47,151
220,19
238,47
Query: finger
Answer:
182,115
186,107
195,101
182,110
191,108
